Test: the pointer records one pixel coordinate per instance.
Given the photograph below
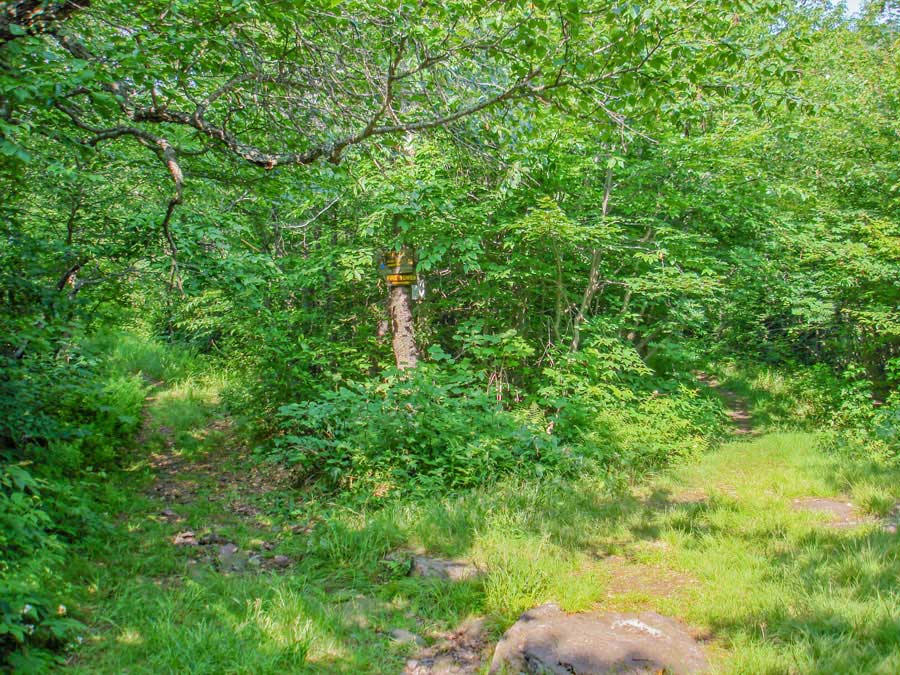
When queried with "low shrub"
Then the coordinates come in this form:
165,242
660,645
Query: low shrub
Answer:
424,430
69,411
655,432
34,623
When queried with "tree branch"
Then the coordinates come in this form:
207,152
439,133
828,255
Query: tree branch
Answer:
33,17
166,153
270,160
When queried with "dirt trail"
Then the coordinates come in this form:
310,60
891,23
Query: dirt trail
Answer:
737,407
208,493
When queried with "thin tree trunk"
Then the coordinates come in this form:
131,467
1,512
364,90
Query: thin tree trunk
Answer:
406,353
561,301
594,275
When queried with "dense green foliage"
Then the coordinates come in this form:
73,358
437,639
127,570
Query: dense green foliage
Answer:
604,201
412,432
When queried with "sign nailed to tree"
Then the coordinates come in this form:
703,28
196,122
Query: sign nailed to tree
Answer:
398,268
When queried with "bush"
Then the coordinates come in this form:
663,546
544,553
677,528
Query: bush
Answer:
68,410
623,417
423,430
32,620
658,430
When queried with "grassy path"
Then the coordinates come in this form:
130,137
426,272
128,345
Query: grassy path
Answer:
719,543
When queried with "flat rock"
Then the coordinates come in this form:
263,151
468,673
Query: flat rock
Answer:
548,641
170,516
842,513
187,538
231,559
441,568
281,562
212,538
227,551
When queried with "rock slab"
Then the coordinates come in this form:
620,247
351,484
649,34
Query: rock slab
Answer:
440,568
843,514
548,641
406,637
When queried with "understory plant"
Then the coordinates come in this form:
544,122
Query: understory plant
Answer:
421,431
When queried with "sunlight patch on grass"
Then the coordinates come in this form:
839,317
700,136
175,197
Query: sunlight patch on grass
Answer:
876,500
130,637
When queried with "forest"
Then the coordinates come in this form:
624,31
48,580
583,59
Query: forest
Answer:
444,338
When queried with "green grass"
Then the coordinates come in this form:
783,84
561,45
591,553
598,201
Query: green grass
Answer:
715,543
778,400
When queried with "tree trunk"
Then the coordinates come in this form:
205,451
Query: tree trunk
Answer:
404,339
594,283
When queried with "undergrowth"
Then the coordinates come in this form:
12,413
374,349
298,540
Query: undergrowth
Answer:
67,422
534,490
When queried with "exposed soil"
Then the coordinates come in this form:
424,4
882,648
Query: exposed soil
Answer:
689,496
632,578
737,408
460,652
179,481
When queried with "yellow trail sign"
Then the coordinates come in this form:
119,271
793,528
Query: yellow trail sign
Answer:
401,279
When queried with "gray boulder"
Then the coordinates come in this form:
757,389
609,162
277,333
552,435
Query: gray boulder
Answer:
547,641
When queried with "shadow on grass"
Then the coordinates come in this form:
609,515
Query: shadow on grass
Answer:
770,408
828,603
181,417
777,592
807,598
262,625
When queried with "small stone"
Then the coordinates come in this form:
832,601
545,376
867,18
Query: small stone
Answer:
230,558
228,550
842,514
440,568
459,652
406,637
281,561
243,509
170,516
186,538
212,538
